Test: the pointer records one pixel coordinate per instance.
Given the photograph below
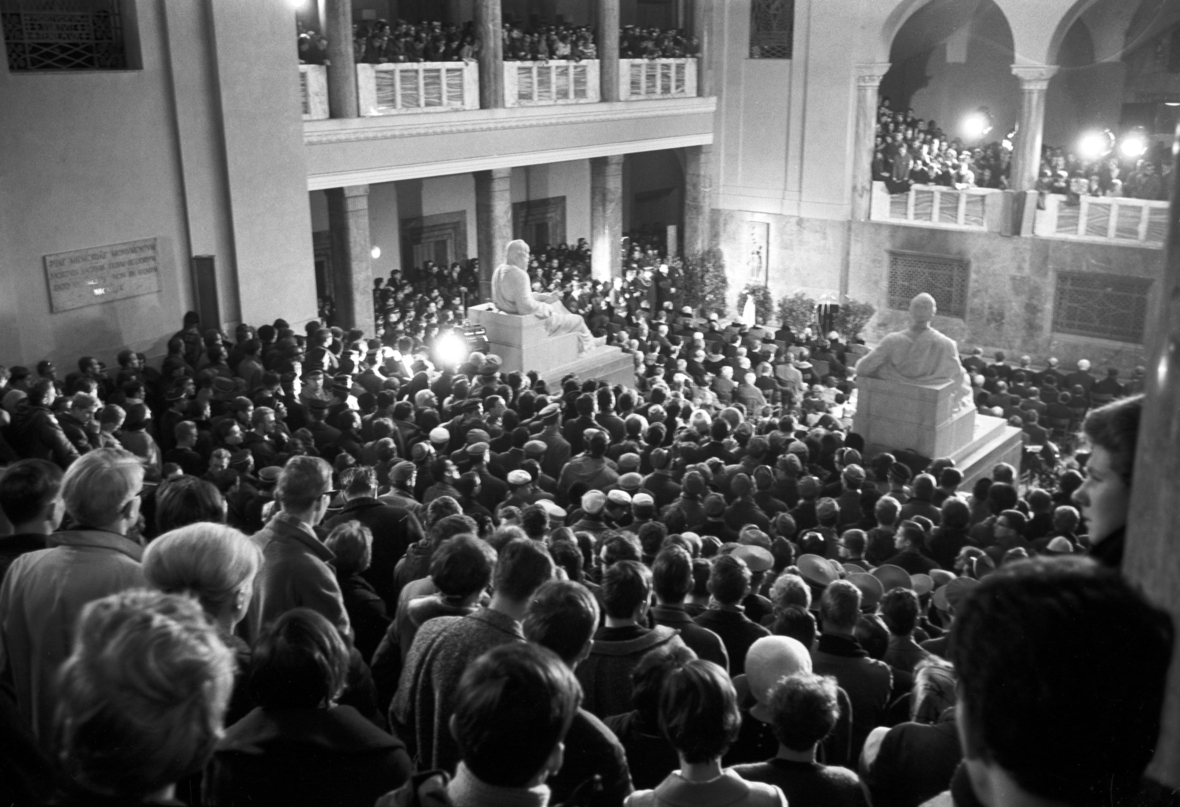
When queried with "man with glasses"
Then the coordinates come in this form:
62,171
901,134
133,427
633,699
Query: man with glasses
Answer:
295,569
44,592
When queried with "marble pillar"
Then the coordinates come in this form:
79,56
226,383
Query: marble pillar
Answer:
342,91
489,33
607,20
1151,561
702,11
868,81
1026,151
493,222
606,217
698,199
352,269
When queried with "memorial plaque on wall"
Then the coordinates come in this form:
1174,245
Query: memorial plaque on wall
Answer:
102,274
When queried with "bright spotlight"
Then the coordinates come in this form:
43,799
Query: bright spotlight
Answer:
1133,146
1093,146
375,252
296,4
450,349
976,125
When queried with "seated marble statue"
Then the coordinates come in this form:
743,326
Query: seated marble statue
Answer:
512,294
919,355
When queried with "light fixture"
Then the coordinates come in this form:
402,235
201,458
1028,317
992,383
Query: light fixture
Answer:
1134,145
450,349
976,125
375,252
1093,146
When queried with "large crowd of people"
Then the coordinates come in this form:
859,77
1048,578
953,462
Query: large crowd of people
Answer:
913,151
331,568
382,42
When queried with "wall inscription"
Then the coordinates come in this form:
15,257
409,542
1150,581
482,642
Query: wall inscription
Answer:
102,274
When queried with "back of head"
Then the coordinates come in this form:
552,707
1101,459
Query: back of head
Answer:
562,617
729,580
352,544
1032,642
698,711
840,605
185,500
625,586
803,709
672,574
211,562
899,610
27,488
522,567
99,484
515,704
299,662
142,696
462,566
303,481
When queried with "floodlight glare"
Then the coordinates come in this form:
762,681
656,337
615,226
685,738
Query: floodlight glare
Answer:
450,349
1133,146
1093,146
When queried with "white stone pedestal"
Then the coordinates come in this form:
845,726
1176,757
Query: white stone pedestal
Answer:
524,344
892,416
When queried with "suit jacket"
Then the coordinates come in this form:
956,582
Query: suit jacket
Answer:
294,574
40,601
867,681
702,641
394,529
737,632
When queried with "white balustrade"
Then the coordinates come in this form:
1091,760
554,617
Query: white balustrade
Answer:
557,81
1139,222
313,91
940,206
406,87
657,78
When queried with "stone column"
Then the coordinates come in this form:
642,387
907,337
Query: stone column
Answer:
868,81
352,270
608,48
1151,561
606,217
698,199
1026,153
342,92
493,222
702,11
489,31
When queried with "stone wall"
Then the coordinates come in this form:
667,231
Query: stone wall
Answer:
1010,294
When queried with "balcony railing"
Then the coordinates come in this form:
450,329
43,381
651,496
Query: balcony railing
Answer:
394,89
313,91
657,78
938,206
551,82
1095,218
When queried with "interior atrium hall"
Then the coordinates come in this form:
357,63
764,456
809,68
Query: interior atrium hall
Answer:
254,159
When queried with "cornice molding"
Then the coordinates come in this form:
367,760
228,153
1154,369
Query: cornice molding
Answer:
396,173
392,127
870,75
1034,76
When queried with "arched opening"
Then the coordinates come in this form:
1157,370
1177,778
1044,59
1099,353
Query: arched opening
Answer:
1083,96
949,59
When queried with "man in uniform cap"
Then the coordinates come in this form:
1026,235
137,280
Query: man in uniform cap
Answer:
557,448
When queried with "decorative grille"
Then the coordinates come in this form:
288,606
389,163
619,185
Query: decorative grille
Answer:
1101,306
304,94
772,29
911,273
63,34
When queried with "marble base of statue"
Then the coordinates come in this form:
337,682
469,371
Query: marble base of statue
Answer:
895,416
524,344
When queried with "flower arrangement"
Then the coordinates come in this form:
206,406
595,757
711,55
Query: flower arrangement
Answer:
704,282
763,303
797,311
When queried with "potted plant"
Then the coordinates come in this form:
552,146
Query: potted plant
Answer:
704,282
797,311
851,319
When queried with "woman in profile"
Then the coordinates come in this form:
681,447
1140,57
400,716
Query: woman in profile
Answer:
699,717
